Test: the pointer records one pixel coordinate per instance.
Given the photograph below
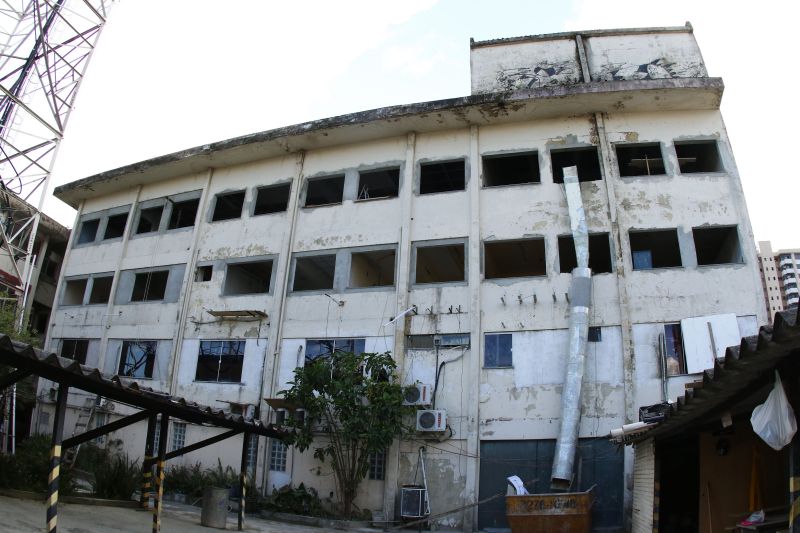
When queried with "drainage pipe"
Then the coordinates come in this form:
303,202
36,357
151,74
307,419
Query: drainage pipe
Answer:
580,301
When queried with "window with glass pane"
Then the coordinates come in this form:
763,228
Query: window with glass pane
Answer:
220,361
178,435
75,349
319,348
497,350
100,420
137,359
277,455
252,456
377,465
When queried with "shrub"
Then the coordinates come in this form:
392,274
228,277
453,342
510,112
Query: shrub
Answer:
29,467
298,500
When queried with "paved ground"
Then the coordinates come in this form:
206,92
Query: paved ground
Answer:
23,516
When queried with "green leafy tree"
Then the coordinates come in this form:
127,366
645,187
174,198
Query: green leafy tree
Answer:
359,402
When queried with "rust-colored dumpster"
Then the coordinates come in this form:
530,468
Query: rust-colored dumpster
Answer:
569,512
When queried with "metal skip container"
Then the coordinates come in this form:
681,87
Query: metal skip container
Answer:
215,507
550,513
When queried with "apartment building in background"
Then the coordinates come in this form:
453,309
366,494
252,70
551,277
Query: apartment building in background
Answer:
214,272
780,271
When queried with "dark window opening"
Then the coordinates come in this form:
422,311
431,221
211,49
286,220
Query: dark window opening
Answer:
717,246
325,191
322,348
698,156
511,169
442,176
101,290
595,334
599,253
88,231
314,272
203,273
675,359
183,214
115,226
420,342
247,278
513,259
51,265
74,289
440,263
655,249
383,183
585,158
372,269
377,465
640,159
137,359
228,206
497,351
149,219
75,349
220,361
272,199
150,286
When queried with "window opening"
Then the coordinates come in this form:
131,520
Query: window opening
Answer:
247,278
149,286
101,289
513,259
595,334
640,159
442,176
377,465
655,249
88,231
272,199
314,272
178,435
220,361
149,219
717,246
674,354
599,253
252,455
420,342
74,289
372,269
228,206
511,169
323,348
138,359
157,434
325,191
277,455
585,158
384,183
698,156
183,214
75,349
440,263
115,226
497,350
100,420
203,273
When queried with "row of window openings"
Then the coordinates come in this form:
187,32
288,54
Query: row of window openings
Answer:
147,287
278,452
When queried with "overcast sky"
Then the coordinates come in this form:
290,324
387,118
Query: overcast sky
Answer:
169,75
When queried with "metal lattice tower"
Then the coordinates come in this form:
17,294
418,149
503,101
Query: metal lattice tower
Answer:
46,47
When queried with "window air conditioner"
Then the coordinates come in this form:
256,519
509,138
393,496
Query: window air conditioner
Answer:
417,394
431,420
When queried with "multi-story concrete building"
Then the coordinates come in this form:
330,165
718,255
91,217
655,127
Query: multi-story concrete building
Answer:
780,272
214,272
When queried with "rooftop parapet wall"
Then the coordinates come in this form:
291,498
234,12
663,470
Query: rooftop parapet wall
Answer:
506,65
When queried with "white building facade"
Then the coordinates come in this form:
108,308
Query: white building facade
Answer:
238,261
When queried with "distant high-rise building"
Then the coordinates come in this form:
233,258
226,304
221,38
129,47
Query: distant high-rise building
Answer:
779,274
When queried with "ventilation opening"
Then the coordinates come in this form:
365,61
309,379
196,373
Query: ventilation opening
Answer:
203,273
273,199
442,176
383,183
88,231
372,269
585,158
248,278
325,191
101,290
698,156
595,334
314,272
513,259
640,159
511,169
599,253
149,286
441,263
655,249
183,214
74,289
228,206
115,226
149,219
717,246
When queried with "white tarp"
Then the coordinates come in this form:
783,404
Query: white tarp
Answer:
706,338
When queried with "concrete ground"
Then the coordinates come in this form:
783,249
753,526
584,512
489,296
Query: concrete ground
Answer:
22,516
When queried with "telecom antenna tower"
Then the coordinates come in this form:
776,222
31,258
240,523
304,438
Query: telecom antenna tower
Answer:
46,47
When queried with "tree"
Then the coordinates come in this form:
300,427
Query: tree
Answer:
357,399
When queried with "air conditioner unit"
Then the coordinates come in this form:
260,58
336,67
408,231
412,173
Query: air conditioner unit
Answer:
413,501
431,420
417,394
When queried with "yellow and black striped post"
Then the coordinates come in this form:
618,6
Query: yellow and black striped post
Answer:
161,462
55,459
243,478
794,484
147,467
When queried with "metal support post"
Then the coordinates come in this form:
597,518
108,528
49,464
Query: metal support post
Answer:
55,459
162,451
147,465
243,478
